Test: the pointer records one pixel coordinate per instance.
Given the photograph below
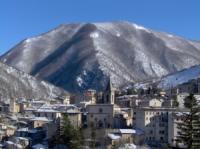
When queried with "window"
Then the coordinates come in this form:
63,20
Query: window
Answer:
162,125
100,110
161,132
161,138
107,98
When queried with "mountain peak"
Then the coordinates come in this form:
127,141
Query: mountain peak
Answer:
79,56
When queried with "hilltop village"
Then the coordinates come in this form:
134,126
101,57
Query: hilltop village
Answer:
142,118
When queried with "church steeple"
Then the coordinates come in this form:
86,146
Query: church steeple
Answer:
109,94
109,85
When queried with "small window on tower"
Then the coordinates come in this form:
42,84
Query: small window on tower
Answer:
100,110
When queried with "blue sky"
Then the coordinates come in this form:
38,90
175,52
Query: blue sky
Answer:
20,19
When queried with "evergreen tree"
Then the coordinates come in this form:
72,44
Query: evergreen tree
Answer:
189,127
72,135
131,91
69,135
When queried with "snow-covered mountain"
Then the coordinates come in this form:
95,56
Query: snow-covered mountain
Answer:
180,77
84,55
17,84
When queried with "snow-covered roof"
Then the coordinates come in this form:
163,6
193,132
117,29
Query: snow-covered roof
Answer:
126,96
31,109
23,129
127,131
28,130
131,131
55,108
120,112
113,136
22,138
39,146
38,101
46,109
13,117
11,126
9,142
22,122
40,119
180,113
22,100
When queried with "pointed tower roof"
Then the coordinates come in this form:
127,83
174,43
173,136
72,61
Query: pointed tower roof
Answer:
109,86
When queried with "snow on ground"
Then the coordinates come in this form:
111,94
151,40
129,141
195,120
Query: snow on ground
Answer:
142,58
79,80
118,34
170,35
180,77
141,28
20,82
106,64
159,70
94,35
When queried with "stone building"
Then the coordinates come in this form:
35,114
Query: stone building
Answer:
100,115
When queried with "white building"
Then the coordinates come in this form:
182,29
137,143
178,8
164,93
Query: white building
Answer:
173,119
153,120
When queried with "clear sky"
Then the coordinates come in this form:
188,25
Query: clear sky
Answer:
20,19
